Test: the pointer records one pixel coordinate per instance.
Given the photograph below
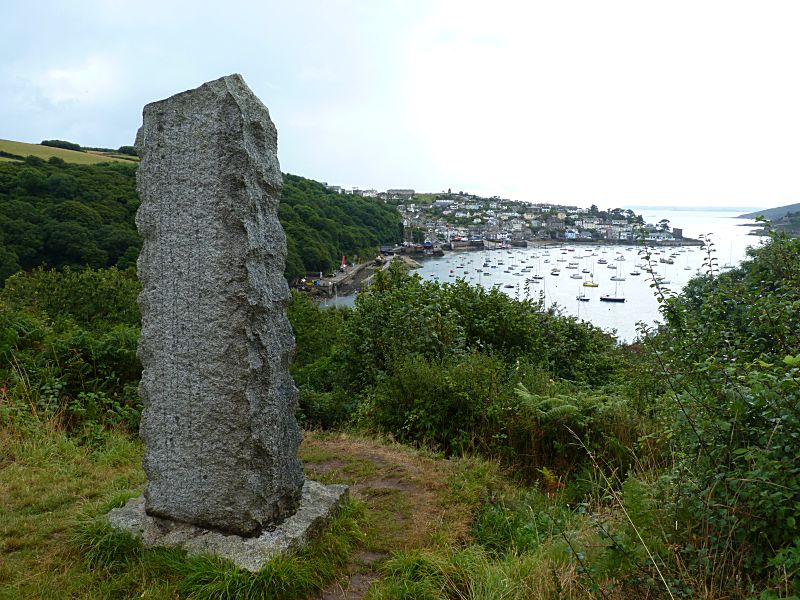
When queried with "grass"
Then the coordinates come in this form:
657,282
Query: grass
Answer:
114,155
47,481
125,565
54,543
71,156
409,496
460,529
417,526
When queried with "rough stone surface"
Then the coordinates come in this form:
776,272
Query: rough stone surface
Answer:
220,435
318,503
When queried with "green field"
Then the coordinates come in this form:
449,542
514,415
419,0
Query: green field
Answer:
45,152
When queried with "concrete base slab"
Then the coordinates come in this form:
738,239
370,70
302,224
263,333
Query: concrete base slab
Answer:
319,503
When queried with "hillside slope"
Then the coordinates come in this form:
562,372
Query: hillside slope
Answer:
22,149
56,213
772,213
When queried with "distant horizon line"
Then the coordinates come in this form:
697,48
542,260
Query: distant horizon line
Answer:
736,209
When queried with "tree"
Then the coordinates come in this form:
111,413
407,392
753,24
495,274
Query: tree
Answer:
116,241
62,185
71,243
24,239
62,144
31,181
663,225
321,226
8,264
59,214
616,213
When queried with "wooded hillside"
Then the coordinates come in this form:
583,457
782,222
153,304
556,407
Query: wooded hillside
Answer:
57,214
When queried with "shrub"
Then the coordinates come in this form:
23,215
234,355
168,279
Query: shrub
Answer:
68,355
731,356
92,298
62,144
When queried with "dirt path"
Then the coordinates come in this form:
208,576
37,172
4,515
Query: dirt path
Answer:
406,495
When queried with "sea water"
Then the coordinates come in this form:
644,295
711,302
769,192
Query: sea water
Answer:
512,270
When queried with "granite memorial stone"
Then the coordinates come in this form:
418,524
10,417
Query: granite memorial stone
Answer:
219,429
221,440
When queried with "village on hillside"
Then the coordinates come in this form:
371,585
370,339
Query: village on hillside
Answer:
458,219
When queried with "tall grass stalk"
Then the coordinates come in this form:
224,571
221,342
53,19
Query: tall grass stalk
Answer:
621,505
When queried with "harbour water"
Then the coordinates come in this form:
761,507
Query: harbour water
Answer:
512,270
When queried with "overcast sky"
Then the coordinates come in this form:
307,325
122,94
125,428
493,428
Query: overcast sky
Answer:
615,103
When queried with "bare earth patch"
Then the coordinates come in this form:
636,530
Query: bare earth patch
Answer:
407,495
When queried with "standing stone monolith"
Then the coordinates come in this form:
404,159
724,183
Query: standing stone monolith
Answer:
220,435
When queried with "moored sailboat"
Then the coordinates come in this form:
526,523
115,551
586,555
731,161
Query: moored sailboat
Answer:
616,297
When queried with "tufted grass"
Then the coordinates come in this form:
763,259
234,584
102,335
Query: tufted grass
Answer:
48,481
55,543
419,526
122,563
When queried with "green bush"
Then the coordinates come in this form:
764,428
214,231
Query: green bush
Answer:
325,409
477,402
439,365
96,299
67,354
62,144
451,406
731,356
411,316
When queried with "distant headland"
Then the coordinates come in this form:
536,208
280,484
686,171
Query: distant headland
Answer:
781,218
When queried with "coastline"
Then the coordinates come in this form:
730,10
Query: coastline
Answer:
359,276
418,250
